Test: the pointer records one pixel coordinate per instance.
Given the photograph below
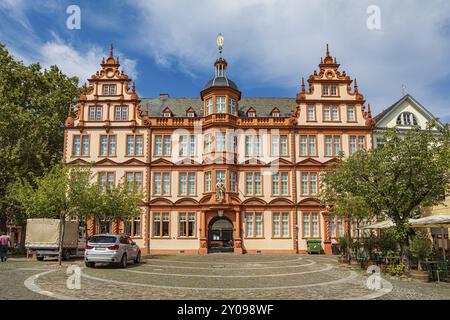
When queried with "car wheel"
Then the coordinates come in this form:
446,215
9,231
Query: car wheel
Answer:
66,255
90,264
124,261
40,258
138,258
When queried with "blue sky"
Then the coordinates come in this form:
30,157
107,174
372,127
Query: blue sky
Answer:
169,46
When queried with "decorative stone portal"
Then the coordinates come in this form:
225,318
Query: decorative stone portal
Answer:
220,235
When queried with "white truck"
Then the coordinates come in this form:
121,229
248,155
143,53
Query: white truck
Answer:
43,236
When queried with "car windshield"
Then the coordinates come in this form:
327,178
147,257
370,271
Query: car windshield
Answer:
102,239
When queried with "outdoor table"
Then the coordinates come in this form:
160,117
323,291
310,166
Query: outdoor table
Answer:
434,267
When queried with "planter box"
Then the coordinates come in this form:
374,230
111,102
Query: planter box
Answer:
420,275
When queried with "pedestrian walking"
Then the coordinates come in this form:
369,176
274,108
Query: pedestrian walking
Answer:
4,241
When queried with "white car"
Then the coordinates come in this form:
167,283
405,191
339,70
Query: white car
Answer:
111,248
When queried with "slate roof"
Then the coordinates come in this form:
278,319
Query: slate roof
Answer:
220,82
178,106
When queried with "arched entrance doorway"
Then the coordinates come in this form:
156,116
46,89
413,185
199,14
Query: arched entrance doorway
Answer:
220,235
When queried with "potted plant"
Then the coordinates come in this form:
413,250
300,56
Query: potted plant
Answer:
422,247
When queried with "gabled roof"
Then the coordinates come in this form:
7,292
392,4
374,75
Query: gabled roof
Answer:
379,117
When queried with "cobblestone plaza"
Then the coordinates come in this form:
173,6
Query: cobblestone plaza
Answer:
216,276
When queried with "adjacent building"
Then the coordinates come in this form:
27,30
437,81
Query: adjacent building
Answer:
221,172
403,115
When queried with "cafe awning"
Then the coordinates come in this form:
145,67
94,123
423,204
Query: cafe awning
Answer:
381,225
436,221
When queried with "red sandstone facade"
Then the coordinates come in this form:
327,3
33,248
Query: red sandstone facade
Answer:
221,172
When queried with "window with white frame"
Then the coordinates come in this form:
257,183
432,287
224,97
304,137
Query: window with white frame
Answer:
221,105
253,224
95,113
109,89
280,224
334,90
80,146
233,186
134,145
208,143
220,142
310,224
253,184
161,224
308,145
208,181
186,224
161,183
332,145
209,106
133,181
108,145
120,113
106,180
309,183
311,113
356,143
187,183
280,183
279,145
232,105
351,116
162,145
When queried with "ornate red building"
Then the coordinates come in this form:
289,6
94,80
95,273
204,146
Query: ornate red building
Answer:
221,172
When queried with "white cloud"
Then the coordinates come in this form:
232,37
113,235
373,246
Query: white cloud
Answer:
277,42
80,63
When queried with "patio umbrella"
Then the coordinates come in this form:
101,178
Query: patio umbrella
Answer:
381,225
438,221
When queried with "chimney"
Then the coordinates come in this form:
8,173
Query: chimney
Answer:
164,96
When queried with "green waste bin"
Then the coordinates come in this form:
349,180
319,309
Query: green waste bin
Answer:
314,245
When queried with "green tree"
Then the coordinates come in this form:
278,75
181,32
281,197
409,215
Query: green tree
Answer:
343,202
421,246
410,171
118,203
51,197
33,104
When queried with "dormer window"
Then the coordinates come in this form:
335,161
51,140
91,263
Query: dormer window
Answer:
251,113
167,113
190,112
275,113
407,119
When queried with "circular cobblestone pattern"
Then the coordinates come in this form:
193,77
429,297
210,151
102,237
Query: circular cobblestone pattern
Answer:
214,276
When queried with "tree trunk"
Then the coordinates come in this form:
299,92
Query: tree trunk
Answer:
405,256
62,229
349,221
3,222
